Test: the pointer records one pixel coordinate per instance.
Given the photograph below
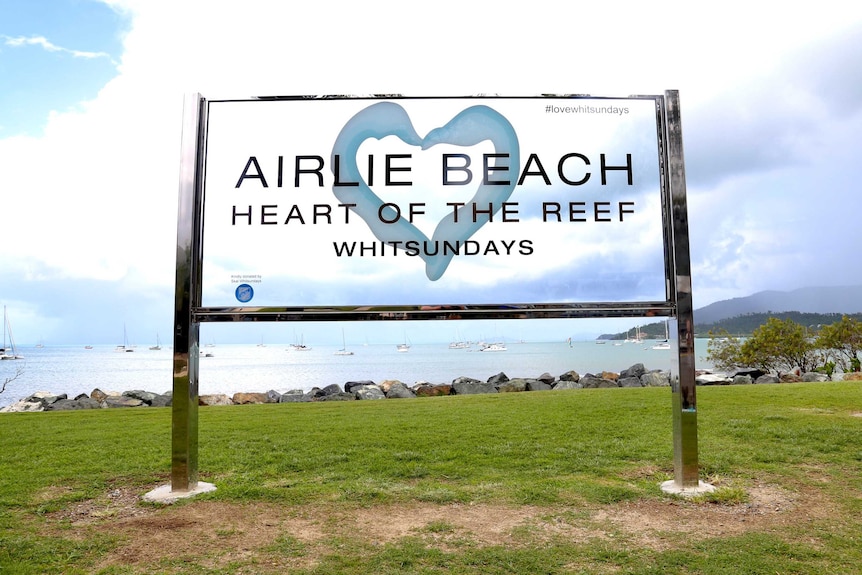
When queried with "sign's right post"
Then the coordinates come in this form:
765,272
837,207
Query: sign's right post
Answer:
686,479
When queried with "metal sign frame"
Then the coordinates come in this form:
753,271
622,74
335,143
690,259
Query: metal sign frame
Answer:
189,312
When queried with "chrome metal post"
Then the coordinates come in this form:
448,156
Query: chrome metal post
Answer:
184,424
686,473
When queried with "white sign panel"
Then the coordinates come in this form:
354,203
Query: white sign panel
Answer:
432,201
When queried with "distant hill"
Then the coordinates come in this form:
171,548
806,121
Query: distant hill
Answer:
824,300
806,306
746,324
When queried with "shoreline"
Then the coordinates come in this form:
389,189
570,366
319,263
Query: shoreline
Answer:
633,377
250,368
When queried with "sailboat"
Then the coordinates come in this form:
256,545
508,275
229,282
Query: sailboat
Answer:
499,346
299,346
343,350
11,352
158,345
666,343
495,346
125,347
459,343
638,336
402,347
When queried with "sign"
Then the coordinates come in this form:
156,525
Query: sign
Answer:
417,201
314,209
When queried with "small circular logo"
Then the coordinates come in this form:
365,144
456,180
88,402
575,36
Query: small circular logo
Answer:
244,293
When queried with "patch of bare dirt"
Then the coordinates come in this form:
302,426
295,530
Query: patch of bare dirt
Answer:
216,533
657,524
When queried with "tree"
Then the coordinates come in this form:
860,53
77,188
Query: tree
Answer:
9,380
842,341
780,345
774,346
724,350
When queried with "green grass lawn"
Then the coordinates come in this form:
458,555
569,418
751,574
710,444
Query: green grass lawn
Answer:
582,467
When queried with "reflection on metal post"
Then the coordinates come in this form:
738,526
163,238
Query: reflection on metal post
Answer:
184,431
686,476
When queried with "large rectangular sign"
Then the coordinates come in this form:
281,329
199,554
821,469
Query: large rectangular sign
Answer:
350,208
421,201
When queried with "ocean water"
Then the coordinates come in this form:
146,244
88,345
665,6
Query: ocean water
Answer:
247,367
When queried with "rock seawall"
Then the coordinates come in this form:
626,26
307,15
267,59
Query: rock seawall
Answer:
634,376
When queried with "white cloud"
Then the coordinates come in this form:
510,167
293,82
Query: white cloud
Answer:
96,196
48,46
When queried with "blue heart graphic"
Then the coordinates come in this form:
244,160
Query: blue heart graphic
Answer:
470,127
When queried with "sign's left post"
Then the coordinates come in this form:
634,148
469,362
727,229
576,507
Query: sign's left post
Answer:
184,422
187,295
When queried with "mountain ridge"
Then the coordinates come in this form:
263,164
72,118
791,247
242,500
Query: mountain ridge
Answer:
823,299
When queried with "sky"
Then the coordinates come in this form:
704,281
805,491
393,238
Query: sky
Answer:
91,100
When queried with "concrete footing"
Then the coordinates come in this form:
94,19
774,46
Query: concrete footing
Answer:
163,494
672,488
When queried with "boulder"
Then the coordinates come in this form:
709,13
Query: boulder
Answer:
609,375
466,386
538,385
512,385
468,380
854,376
72,404
145,396
122,401
368,392
351,385
750,371
630,381
294,396
331,389
655,379
52,399
547,378
397,390
712,379
340,396
101,396
790,378
637,370
498,380
386,385
161,400
567,384
767,378
23,405
813,376
214,399
590,381
90,403
570,376
744,379
272,396
244,398
432,390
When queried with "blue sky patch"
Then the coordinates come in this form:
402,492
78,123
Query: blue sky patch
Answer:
53,59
